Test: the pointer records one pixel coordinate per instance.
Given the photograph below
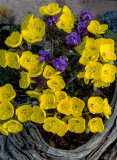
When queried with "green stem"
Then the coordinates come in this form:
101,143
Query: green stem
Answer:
51,43
50,114
29,46
14,103
73,59
72,79
14,72
22,48
88,117
66,51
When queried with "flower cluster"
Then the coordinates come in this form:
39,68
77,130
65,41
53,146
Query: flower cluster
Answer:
73,39
85,19
70,113
86,16
44,56
7,93
96,56
60,63
51,21
72,107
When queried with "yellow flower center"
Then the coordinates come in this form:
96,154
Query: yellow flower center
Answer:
93,69
105,72
28,59
64,106
53,121
77,121
50,103
54,83
7,95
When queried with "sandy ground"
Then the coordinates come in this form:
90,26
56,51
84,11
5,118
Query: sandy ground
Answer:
22,7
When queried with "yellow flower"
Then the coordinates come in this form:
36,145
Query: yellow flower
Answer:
48,91
47,101
52,124
49,72
26,22
66,23
88,56
3,130
36,69
24,113
106,108
77,106
76,125
93,70
51,9
62,129
56,84
95,105
38,115
67,118
59,95
14,40
28,59
99,83
90,43
81,47
34,94
95,27
24,82
66,10
65,107
96,125
31,35
108,73
107,52
13,126
82,75
6,110
13,60
101,41
34,31
7,93
3,55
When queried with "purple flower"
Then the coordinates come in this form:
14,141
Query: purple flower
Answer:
73,39
42,82
60,63
85,33
44,56
86,16
41,58
55,62
83,66
63,61
42,52
48,58
81,27
36,79
51,21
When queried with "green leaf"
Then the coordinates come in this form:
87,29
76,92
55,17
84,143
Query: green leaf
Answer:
4,22
7,28
112,35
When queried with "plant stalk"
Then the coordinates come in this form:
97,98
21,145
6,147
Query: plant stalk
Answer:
72,79
51,43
